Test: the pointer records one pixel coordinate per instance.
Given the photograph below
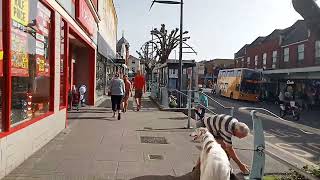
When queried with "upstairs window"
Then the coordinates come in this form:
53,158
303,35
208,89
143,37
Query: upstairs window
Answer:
317,50
248,62
264,60
274,59
256,61
286,54
301,52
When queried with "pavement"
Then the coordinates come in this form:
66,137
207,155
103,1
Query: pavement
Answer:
97,146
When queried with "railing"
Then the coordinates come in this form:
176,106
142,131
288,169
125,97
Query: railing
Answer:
224,107
258,159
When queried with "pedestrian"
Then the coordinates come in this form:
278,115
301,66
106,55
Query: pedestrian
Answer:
140,88
223,128
128,92
203,104
117,89
75,97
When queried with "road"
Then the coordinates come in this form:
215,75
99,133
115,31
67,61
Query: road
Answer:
298,143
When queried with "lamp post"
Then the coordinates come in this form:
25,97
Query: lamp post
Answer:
181,40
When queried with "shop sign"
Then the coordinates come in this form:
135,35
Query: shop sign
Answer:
84,16
290,82
19,54
42,60
20,11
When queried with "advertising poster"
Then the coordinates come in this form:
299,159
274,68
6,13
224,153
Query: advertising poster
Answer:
20,11
42,59
19,54
85,17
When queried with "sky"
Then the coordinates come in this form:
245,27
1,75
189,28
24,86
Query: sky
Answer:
218,28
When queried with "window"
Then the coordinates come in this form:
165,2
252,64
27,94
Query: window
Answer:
301,52
256,61
238,73
1,68
264,60
317,50
30,52
274,59
286,54
248,61
63,79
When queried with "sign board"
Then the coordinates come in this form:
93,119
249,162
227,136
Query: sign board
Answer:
85,17
173,73
20,11
19,54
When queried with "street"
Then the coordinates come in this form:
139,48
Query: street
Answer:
299,143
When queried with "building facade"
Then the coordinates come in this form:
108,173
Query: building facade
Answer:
291,54
49,47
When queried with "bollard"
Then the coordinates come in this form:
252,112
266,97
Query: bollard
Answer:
231,111
258,161
189,109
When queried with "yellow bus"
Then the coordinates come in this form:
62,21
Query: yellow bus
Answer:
239,83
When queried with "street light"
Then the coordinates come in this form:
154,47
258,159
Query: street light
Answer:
181,39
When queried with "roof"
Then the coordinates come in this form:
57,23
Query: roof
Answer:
120,43
258,41
296,33
241,52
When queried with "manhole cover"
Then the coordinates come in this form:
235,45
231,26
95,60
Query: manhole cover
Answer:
153,140
155,157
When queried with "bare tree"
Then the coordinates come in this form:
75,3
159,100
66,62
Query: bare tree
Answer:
166,42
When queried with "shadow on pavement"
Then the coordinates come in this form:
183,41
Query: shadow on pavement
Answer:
195,175
94,118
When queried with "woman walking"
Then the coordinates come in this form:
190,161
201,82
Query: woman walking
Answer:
117,91
128,92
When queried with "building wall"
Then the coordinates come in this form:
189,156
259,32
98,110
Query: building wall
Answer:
109,22
20,145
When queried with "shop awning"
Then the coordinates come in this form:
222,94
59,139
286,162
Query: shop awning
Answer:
293,70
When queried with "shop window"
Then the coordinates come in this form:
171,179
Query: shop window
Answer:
30,66
301,52
317,50
63,80
274,59
286,54
1,68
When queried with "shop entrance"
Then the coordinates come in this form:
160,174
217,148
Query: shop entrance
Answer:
81,69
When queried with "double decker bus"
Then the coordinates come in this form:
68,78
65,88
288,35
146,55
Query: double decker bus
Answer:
239,83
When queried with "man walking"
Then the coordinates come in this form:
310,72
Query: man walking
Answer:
223,127
140,88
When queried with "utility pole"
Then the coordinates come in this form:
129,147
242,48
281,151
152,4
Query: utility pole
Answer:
180,71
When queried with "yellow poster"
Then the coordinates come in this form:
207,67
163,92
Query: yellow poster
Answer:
20,11
1,55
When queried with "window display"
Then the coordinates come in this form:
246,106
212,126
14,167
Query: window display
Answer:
62,64
30,65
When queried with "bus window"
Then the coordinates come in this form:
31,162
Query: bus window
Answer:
238,73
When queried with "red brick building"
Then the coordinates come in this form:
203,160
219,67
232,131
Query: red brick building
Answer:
289,54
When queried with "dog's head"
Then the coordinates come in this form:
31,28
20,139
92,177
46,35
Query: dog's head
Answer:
198,133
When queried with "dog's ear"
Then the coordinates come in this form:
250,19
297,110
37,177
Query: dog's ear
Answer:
203,131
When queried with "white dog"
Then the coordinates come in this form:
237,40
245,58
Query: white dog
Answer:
214,162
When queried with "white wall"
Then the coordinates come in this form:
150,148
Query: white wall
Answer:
18,146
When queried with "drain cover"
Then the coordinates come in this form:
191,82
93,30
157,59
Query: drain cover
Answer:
153,140
155,157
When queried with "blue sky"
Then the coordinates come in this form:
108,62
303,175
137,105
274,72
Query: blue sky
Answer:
218,28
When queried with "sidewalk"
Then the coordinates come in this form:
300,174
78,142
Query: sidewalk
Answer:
96,146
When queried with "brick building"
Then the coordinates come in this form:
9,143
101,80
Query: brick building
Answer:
289,54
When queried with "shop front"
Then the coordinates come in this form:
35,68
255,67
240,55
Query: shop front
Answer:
45,49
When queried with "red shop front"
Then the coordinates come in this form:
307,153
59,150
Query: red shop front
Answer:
45,49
